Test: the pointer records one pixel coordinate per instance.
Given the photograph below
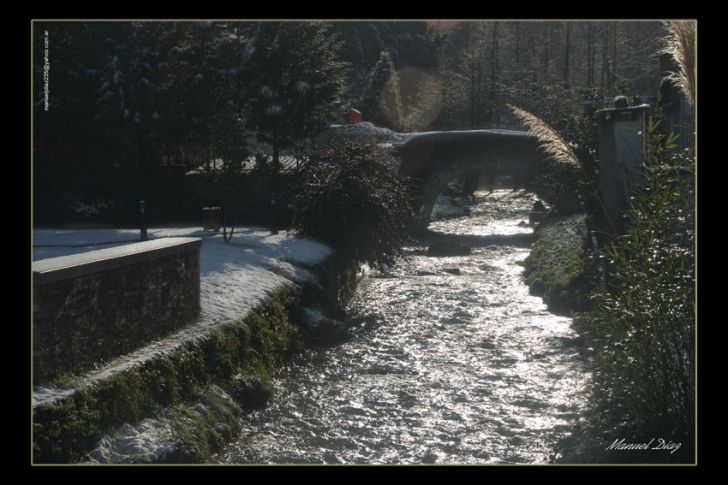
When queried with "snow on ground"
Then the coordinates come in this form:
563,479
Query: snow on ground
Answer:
231,275
154,439
149,441
234,278
50,243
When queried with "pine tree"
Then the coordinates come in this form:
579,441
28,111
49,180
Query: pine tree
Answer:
129,96
377,79
294,86
65,139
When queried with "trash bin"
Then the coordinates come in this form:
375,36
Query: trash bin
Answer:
211,218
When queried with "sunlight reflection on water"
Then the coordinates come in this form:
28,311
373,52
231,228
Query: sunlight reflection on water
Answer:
447,368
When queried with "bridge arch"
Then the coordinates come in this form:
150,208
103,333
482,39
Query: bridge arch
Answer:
431,160
437,182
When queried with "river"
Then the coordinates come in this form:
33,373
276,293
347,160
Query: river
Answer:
450,361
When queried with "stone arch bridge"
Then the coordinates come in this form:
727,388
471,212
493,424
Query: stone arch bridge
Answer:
433,159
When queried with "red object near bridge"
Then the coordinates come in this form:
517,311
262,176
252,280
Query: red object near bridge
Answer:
354,116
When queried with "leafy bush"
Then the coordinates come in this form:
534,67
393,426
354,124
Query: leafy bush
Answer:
354,202
562,180
567,188
643,324
557,267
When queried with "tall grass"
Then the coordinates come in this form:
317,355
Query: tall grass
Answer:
549,140
562,181
681,44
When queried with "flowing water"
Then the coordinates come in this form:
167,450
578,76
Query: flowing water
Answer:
451,361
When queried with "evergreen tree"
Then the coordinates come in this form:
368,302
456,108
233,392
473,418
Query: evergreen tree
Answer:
65,139
222,179
130,94
407,43
370,103
294,85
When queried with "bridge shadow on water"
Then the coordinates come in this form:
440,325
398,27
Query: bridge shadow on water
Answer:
474,241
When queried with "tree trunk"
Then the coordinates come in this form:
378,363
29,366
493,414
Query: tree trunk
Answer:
139,164
493,68
546,53
518,47
533,60
272,200
605,81
58,178
613,69
239,76
590,56
224,224
478,82
566,54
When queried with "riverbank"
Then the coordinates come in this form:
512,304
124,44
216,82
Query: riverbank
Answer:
179,399
557,268
451,361
186,403
639,406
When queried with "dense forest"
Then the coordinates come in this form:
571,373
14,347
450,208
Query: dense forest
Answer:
135,105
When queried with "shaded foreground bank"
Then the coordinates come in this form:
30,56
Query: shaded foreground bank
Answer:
179,399
634,307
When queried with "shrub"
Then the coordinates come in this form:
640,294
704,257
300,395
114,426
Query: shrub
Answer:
562,181
643,324
566,188
354,202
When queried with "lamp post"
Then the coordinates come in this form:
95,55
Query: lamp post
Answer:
142,222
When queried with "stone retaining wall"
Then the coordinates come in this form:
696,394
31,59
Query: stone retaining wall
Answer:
92,307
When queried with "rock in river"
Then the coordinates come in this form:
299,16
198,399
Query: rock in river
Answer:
455,271
447,249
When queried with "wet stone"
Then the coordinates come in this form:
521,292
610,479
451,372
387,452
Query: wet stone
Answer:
441,248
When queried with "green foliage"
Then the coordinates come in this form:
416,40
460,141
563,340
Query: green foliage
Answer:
572,188
239,355
568,189
355,203
128,97
125,398
362,44
565,187
222,181
567,178
558,263
222,353
292,89
369,104
202,428
338,281
271,335
551,102
163,381
62,433
228,140
294,81
643,324
252,387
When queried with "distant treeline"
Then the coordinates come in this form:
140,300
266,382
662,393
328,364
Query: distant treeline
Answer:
129,100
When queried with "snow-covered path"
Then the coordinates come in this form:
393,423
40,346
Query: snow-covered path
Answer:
234,278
